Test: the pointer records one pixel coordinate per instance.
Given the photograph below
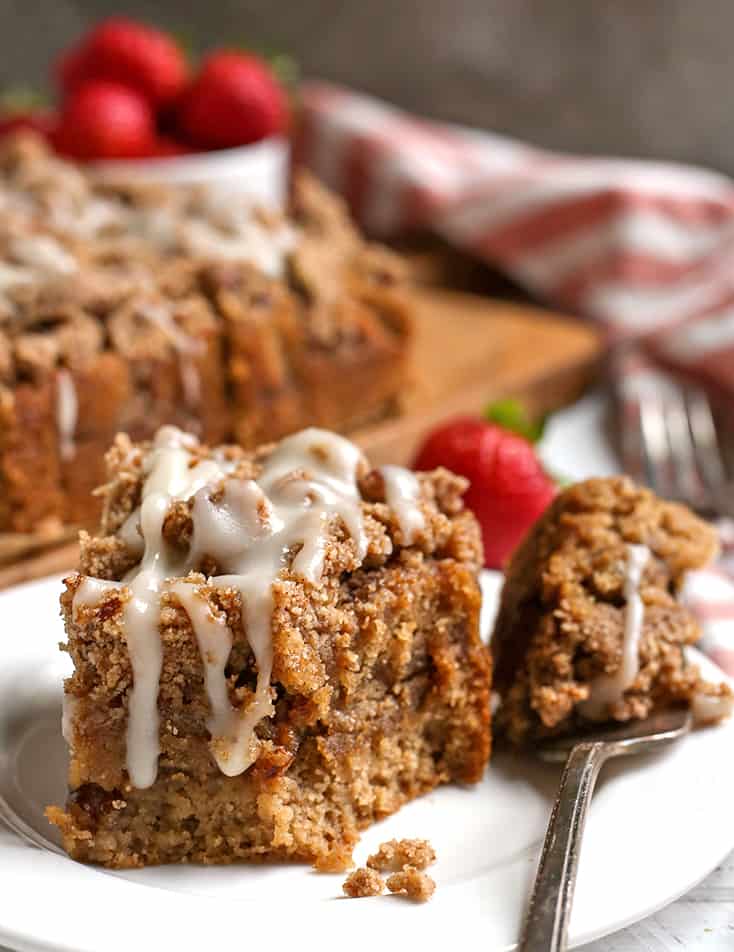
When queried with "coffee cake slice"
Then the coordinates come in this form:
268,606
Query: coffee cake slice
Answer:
590,627
271,651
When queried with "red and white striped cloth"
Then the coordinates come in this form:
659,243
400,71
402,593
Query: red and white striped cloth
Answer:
646,249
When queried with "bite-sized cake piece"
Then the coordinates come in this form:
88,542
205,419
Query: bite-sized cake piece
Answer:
393,855
271,651
363,882
124,308
413,883
590,627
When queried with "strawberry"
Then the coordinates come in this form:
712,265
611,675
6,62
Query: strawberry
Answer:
234,100
70,69
124,51
104,120
41,122
509,489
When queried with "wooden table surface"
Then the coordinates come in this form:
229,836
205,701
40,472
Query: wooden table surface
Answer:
701,921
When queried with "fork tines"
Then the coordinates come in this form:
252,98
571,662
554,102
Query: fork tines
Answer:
675,445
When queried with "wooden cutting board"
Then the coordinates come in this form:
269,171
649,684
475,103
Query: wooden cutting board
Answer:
469,350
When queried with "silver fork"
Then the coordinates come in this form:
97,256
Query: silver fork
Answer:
676,448
546,922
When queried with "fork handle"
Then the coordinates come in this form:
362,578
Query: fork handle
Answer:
546,922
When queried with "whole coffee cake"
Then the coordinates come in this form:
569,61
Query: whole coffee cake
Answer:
271,651
127,308
590,627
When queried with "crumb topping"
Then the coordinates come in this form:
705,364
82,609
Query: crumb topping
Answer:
412,883
394,855
75,250
208,522
363,882
379,684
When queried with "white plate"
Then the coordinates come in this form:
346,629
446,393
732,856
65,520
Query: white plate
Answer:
658,826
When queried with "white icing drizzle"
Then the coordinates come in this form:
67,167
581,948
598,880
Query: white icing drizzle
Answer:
209,222
251,528
91,592
33,257
169,477
141,618
214,638
87,219
709,708
67,413
219,225
43,254
12,276
157,224
229,227
402,492
69,705
129,533
251,242
187,349
608,689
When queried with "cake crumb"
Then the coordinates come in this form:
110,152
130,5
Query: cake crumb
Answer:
337,860
413,883
363,882
712,703
394,855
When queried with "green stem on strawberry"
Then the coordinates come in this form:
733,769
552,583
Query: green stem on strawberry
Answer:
510,414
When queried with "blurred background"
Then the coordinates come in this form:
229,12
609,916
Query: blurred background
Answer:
627,77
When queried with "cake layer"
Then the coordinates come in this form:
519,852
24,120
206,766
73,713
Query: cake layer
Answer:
590,627
130,308
290,653
31,499
88,363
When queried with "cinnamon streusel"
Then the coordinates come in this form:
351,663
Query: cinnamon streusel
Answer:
271,651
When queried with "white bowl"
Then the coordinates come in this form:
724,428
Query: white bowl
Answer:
259,171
